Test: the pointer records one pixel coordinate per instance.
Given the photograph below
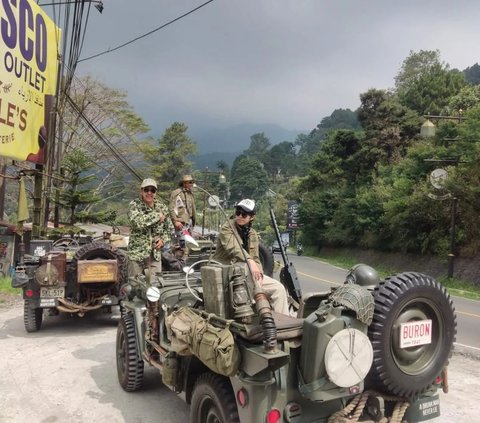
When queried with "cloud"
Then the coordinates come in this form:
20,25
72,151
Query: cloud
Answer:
287,62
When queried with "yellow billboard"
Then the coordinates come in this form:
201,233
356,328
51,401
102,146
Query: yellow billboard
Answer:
29,45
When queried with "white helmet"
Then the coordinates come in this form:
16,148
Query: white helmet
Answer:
247,205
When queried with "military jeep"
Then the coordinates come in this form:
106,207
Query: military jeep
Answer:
69,277
368,350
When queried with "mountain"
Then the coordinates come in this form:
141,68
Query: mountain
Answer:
234,139
210,160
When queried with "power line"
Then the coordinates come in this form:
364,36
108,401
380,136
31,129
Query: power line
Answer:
102,138
144,35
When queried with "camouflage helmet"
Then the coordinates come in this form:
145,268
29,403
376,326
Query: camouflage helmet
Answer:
364,275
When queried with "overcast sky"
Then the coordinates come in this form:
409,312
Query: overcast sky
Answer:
286,62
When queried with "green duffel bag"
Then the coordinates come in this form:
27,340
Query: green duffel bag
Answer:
216,348
190,333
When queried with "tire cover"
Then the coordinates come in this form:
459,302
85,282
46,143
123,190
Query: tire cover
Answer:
102,250
403,298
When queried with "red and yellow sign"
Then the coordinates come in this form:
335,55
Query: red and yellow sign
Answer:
29,42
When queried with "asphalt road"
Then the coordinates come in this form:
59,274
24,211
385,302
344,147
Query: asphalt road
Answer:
315,275
66,372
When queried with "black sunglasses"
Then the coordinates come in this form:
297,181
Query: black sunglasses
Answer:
239,212
148,189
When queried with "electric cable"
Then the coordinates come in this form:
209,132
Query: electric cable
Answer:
144,35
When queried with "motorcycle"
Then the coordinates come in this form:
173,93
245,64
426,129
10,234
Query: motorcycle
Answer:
299,249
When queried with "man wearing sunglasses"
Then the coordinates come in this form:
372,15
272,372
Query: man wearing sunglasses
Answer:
238,242
149,230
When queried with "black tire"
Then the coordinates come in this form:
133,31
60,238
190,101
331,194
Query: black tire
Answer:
403,298
266,258
32,317
129,363
213,400
101,250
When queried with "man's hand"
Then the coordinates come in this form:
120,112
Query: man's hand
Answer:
257,275
158,244
178,225
162,217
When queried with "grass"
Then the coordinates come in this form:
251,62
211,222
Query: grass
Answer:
6,286
457,287
7,293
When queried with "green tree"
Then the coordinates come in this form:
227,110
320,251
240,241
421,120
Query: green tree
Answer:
467,98
168,160
415,65
472,74
389,126
282,158
248,179
425,83
78,190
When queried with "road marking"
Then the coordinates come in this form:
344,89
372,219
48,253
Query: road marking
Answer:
467,314
466,346
319,279
337,283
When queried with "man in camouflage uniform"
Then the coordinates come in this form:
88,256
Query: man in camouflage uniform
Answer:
238,243
150,230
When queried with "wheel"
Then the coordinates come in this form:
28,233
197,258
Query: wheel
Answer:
101,250
129,363
213,401
410,297
266,258
32,317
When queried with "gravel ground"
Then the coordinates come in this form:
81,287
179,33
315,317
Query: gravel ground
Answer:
66,373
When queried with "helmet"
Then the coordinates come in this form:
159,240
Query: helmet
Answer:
364,275
247,205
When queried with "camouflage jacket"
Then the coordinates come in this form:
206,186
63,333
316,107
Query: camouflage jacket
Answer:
145,227
182,206
229,248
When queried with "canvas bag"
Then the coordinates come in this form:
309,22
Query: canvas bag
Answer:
215,347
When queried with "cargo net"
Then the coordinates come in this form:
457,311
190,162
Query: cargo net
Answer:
355,298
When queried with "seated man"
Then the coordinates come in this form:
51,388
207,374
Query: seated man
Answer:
238,242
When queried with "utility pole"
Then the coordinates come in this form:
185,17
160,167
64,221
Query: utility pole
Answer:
438,178
3,182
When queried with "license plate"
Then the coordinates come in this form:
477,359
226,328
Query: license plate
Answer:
108,301
52,292
418,332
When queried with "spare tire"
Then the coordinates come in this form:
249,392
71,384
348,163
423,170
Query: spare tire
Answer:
410,297
102,250
266,258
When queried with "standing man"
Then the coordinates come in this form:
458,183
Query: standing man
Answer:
182,205
238,243
150,230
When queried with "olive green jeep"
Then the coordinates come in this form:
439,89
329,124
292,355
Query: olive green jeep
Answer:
368,350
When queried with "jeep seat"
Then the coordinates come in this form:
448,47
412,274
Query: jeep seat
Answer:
287,328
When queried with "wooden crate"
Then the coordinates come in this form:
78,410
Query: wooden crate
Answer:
90,271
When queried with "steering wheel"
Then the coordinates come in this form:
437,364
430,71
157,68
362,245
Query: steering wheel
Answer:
66,242
189,269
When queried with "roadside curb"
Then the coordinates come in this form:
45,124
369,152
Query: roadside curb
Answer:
466,351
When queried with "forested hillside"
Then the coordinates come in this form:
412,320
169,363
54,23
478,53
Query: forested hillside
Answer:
363,177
